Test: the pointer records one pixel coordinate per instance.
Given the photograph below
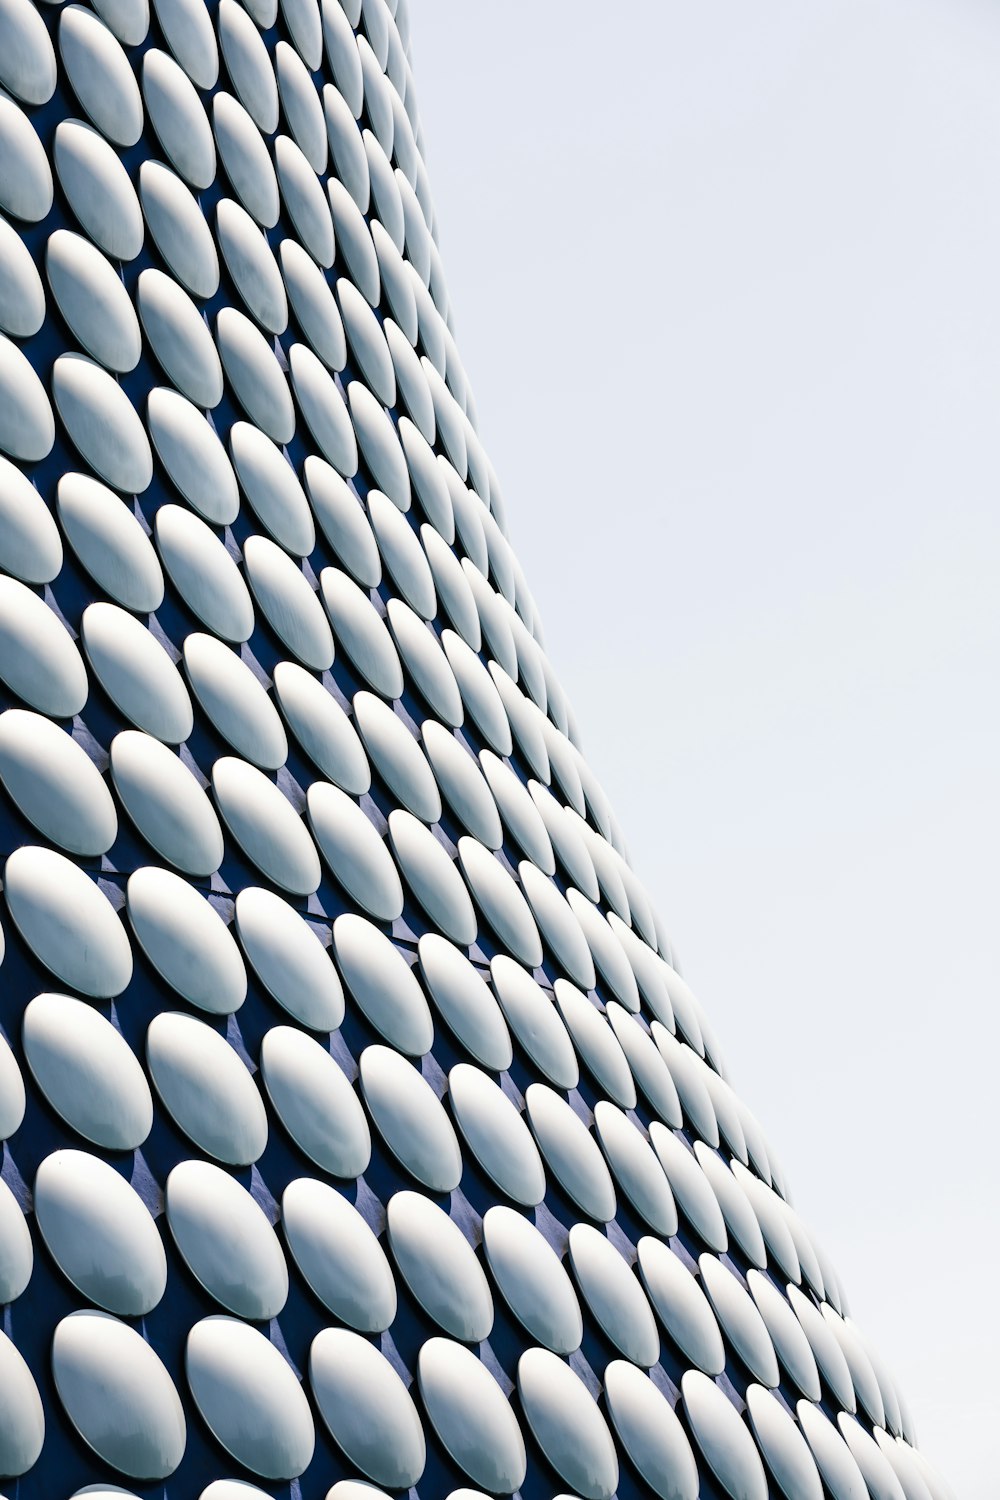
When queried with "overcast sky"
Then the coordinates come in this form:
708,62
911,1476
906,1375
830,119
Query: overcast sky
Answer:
727,285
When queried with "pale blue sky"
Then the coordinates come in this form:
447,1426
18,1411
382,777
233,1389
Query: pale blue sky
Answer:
727,285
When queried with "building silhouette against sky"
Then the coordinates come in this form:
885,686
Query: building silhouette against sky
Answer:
359,1126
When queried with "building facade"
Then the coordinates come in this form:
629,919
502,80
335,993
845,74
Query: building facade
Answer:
360,1133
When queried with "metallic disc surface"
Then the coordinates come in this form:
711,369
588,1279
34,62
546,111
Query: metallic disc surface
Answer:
249,1397
87,1072
118,1395
100,1233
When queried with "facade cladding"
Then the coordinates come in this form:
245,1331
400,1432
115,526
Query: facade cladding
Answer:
360,1130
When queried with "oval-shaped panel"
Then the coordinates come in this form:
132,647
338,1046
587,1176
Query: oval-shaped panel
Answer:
289,959
567,1425
724,1441
496,1134
681,1305
382,983
102,423
93,301
650,1432
12,1097
110,542
235,701
532,1279
189,449
500,901
464,999
785,1449
432,876
339,1255
28,67
26,191
355,851
251,263
613,1294
67,922
266,826
249,1397
635,1167
135,671
226,1240
571,1152
186,940
359,630
272,487
367,1408
98,189
178,117
175,221
55,784
439,1266
165,802
16,1254
24,1422
100,1233
38,658
535,1021
206,1088
322,728
741,1323
471,1416
100,74
29,538
288,600
410,1118
87,1072
203,573
118,1395
315,1102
